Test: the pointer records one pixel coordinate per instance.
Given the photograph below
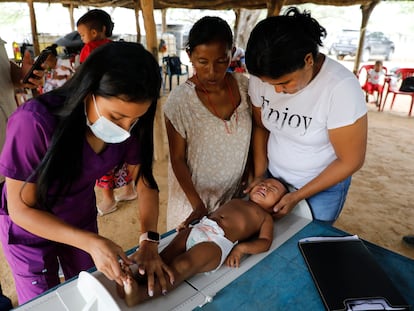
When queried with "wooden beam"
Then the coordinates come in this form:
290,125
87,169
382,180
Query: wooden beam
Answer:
72,19
199,4
147,7
33,26
163,20
274,7
366,13
137,26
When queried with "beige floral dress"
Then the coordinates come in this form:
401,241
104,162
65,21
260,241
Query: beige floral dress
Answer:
216,153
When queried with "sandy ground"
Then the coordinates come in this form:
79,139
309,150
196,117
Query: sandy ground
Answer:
378,208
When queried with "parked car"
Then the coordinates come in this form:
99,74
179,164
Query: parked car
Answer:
375,44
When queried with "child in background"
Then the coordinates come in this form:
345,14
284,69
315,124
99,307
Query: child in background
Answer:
95,27
375,81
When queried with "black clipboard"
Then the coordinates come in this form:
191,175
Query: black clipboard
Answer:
347,275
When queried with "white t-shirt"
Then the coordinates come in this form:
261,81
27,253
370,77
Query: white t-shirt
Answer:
298,148
376,77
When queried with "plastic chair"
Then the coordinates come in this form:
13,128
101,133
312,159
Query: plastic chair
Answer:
173,67
362,75
394,83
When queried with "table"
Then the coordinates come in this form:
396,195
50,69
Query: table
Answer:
282,281
275,280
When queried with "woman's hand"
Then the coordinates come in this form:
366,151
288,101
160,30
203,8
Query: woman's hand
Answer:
286,204
105,254
27,63
254,182
150,264
199,212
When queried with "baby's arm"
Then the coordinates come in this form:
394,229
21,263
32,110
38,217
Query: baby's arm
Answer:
261,244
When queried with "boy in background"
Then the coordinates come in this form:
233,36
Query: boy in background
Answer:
375,81
95,27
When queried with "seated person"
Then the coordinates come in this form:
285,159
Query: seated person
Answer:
237,63
225,235
375,80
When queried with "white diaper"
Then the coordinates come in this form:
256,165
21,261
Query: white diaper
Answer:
208,230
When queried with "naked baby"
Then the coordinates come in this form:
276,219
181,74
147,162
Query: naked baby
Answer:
236,228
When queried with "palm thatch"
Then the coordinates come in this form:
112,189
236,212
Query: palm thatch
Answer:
200,4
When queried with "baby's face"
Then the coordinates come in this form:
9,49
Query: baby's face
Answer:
267,193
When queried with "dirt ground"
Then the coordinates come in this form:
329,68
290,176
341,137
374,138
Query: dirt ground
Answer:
378,208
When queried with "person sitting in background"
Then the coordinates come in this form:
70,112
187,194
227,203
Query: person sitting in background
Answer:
375,81
237,63
236,228
57,71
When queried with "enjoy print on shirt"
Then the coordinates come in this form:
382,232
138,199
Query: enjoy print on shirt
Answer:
280,118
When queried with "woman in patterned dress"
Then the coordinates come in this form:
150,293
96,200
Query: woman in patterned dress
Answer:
208,120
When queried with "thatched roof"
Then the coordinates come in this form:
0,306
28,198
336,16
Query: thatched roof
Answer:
200,4
147,6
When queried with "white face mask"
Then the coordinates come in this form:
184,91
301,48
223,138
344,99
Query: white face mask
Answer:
106,130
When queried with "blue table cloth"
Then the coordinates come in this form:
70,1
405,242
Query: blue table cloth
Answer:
282,281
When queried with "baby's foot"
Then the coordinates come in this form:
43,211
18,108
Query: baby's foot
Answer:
120,289
131,291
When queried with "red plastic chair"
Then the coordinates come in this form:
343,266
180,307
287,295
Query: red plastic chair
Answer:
362,75
394,83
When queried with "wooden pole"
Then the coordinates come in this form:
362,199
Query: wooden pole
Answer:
72,19
274,7
147,7
138,28
164,20
35,37
366,13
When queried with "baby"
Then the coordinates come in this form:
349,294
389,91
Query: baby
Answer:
236,228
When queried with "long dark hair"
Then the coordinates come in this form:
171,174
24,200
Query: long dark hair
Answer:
123,70
278,44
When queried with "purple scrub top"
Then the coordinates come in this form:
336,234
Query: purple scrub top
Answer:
29,133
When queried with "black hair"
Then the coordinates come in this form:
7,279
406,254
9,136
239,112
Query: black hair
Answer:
96,19
53,49
278,44
124,70
209,29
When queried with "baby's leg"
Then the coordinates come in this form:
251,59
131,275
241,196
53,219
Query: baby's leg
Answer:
202,257
176,247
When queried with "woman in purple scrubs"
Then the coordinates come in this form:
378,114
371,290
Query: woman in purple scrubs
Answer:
57,145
